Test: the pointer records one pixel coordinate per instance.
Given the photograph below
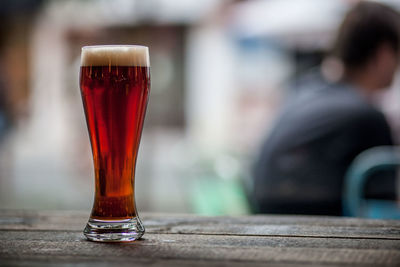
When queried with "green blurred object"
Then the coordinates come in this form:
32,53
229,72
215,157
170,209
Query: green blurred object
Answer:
216,196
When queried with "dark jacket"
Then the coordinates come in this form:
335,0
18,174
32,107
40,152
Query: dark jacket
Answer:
303,161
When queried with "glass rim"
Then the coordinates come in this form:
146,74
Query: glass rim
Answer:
115,55
113,46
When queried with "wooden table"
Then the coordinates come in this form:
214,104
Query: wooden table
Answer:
31,238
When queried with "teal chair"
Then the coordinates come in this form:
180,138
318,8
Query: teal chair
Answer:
370,162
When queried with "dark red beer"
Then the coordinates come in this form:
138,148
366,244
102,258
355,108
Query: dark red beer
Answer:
115,100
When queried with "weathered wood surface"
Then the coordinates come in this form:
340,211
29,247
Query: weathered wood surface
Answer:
29,238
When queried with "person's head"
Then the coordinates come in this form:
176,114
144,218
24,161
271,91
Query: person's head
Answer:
368,43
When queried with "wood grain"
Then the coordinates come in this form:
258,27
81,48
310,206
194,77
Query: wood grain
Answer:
36,238
301,226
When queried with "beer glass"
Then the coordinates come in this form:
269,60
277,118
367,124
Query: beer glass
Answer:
114,83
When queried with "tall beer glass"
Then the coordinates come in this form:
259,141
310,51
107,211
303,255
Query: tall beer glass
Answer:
115,83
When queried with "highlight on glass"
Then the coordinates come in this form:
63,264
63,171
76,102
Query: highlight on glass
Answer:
115,84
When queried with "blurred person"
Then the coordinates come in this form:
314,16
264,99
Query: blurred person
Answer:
321,130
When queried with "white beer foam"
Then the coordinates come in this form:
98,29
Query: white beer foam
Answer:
115,55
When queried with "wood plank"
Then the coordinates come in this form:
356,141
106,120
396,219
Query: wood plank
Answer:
31,218
60,261
270,225
17,218
33,238
207,240
71,246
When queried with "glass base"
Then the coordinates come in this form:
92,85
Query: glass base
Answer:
114,231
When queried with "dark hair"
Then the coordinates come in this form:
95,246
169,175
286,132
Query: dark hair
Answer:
366,26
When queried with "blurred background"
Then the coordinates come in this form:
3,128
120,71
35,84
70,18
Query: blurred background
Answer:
221,69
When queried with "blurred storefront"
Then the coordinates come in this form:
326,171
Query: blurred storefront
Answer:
220,72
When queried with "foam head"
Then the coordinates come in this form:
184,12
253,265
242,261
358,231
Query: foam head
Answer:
115,55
